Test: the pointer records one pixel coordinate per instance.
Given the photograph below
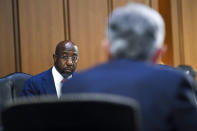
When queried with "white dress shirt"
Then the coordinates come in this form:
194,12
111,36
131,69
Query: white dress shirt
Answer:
57,77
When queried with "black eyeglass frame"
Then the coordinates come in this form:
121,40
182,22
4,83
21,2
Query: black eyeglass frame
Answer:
74,58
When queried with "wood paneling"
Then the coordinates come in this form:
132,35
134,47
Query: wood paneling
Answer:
7,52
118,3
87,28
165,11
189,20
184,31
154,4
177,35
16,35
41,28
28,44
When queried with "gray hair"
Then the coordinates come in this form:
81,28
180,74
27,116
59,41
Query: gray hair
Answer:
135,31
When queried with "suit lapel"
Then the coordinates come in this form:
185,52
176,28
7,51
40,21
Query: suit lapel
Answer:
49,83
74,73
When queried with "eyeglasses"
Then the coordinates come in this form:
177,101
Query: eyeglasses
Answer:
73,58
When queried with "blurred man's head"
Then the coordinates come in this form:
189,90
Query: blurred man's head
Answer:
136,32
65,58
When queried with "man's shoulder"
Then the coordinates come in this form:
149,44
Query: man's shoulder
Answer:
134,67
40,75
168,71
74,73
171,79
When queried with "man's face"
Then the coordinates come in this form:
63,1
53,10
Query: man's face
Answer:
66,59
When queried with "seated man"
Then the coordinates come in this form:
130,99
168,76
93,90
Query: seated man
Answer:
135,35
50,81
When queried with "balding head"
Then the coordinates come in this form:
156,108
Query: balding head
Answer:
65,57
65,45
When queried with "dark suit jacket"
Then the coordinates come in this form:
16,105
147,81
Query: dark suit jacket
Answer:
165,96
41,84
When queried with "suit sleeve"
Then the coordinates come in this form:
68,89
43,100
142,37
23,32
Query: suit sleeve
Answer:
185,108
29,89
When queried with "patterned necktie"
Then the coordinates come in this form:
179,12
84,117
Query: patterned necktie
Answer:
63,80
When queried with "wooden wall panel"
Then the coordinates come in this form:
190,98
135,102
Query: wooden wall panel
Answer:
177,35
184,32
87,29
154,4
43,23
189,20
41,28
165,11
118,3
7,52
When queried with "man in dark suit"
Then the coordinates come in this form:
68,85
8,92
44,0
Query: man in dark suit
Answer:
135,34
50,81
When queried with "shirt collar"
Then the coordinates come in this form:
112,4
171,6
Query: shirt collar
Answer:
56,75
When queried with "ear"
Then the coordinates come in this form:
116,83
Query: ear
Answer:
158,54
106,46
54,58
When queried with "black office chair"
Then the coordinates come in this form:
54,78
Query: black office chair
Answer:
11,87
95,112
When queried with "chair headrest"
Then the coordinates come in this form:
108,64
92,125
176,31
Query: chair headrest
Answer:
89,111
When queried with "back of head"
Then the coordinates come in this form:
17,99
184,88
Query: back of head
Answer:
135,31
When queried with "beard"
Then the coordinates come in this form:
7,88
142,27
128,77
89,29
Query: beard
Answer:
66,75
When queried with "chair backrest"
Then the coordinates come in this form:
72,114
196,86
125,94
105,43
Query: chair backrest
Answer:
95,112
11,87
